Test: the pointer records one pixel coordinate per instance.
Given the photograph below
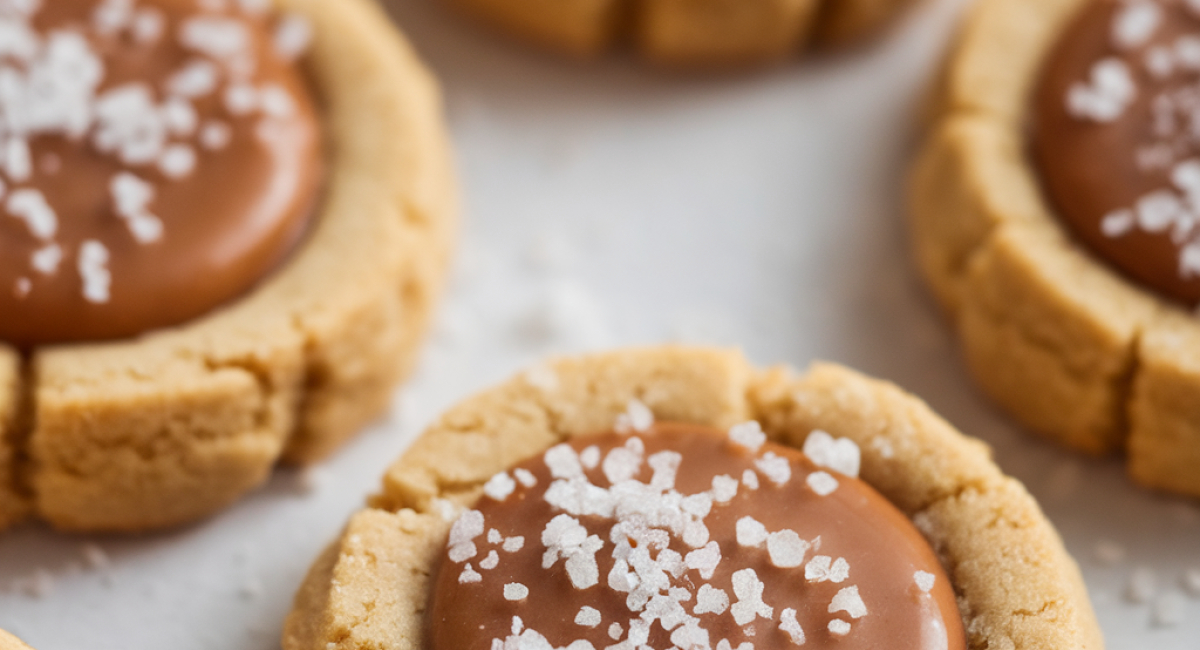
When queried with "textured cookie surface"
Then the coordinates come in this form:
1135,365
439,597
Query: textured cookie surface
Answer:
1075,351
688,33
10,642
176,424
1016,585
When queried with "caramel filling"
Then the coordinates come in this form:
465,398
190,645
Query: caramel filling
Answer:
1117,138
684,537
157,159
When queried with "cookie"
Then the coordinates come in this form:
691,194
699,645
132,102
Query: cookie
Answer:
688,33
10,642
1077,345
1015,584
176,423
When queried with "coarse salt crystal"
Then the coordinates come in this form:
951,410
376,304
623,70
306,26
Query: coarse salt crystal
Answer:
1108,93
46,259
748,435
790,626
293,35
177,161
494,536
704,560
724,488
216,36
750,479
563,462
29,205
750,532
525,477
490,562
615,631
515,591
588,617
786,549
838,627
499,487
1135,22
776,468
513,544
467,527
823,568
1117,223
822,483
590,457
839,454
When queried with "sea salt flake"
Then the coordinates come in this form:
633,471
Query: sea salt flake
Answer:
749,589
216,36
196,78
823,568
839,454
490,562
924,580
29,205
704,560
499,487
563,462
710,600
515,591
623,463
525,477
177,161
588,617
1135,23
17,160
838,627
724,488
590,457
615,631
131,198
469,575
748,435
790,626
750,479
494,536
148,25
665,465
776,468
1158,210
466,528
750,532
822,483
1117,223
293,35
786,549
46,259
1109,91
637,417
92,263
513,544
847,600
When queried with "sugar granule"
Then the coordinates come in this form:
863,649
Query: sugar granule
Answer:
515,591
748,435
822,483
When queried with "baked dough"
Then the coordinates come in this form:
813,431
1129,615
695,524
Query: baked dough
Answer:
10,642
1017,586
687,33
176,424
1076,352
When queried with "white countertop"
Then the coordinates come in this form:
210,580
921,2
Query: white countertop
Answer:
608,205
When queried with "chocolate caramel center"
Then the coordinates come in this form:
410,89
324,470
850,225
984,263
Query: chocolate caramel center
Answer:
159,158
685,537
1116,138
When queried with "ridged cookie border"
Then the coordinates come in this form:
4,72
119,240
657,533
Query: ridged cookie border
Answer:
1073,350
1016,585
175,425
687,33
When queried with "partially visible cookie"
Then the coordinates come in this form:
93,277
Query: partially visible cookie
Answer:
176,423
1073,346
1015,584
688,33
10,642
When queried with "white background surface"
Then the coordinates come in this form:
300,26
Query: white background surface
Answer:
608,205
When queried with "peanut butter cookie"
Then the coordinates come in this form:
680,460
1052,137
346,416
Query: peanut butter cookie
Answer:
220,262
1051,216
688,33
448,527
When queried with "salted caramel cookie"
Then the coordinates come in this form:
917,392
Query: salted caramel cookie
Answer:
10,642
688,33
223,226
659,498
1053,217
